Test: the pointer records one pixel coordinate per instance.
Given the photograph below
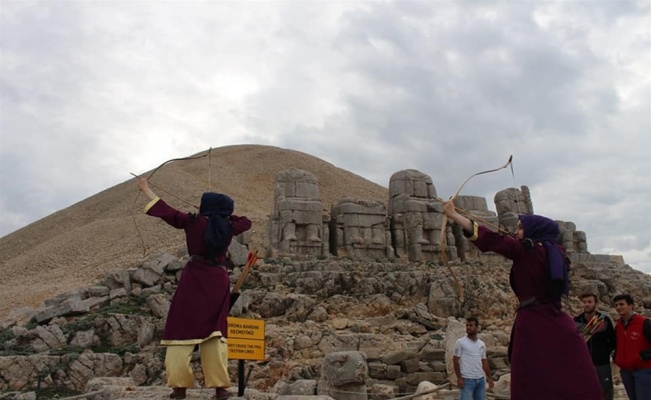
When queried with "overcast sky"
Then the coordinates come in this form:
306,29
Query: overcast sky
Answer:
93,90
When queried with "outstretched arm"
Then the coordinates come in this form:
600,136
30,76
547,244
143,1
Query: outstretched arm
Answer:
143,185
451,212
240,224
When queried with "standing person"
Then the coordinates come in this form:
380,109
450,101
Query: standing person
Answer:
633,350
199,308
549,359
601,341
471,364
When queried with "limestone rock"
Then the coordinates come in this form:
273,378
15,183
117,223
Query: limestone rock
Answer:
21,372
503,385
84,339
47,338
303,387
455,330
425,387
90,365
159,304
345,367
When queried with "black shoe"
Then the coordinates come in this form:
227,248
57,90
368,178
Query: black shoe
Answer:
222,393
178,393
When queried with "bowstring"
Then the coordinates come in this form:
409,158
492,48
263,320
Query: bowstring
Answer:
517,196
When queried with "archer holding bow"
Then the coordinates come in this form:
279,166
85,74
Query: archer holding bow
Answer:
199,309
549,359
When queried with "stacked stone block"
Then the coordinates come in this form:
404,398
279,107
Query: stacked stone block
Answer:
416,217
477,207
574,241
360,229
511,202
297,222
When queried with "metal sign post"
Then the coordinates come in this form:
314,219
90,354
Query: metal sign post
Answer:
245,342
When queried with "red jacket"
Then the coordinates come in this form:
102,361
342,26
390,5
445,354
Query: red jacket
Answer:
630,340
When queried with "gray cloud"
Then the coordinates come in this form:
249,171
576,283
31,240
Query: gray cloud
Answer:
97,90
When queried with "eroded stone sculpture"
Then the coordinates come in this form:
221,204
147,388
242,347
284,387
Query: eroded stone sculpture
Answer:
297,224
360,229
574,241
511,202
475,206
415,217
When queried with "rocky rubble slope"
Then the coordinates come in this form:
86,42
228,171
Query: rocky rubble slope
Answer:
401,316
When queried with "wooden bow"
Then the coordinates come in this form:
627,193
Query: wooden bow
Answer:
133,206
444,224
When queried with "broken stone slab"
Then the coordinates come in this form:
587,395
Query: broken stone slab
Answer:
377,370
98,291
410,365
118,293
25,396
350,391
425,387
90,365
302,387
159,304
394,372
372,346
147,276
304,397
455,330
93,302
61,298
119,278
72,306
84,339
430,354
151,290
47,338
344,367
238,253
381,391
20,372
395,358
111,387
176,265
159,262
126,329
417,377
19,317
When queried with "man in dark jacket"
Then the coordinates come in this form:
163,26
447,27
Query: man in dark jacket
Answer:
633,350
599,333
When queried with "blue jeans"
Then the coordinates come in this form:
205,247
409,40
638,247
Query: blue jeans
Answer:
473,389
637,383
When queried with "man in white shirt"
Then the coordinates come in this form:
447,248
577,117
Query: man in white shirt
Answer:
471,364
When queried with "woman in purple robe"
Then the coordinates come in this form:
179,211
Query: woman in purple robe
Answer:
199,308
549,359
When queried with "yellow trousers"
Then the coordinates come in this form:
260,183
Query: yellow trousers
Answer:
214,363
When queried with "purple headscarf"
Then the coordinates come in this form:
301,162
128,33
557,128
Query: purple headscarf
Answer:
217,207
544,230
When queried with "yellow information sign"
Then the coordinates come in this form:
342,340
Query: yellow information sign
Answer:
245,339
